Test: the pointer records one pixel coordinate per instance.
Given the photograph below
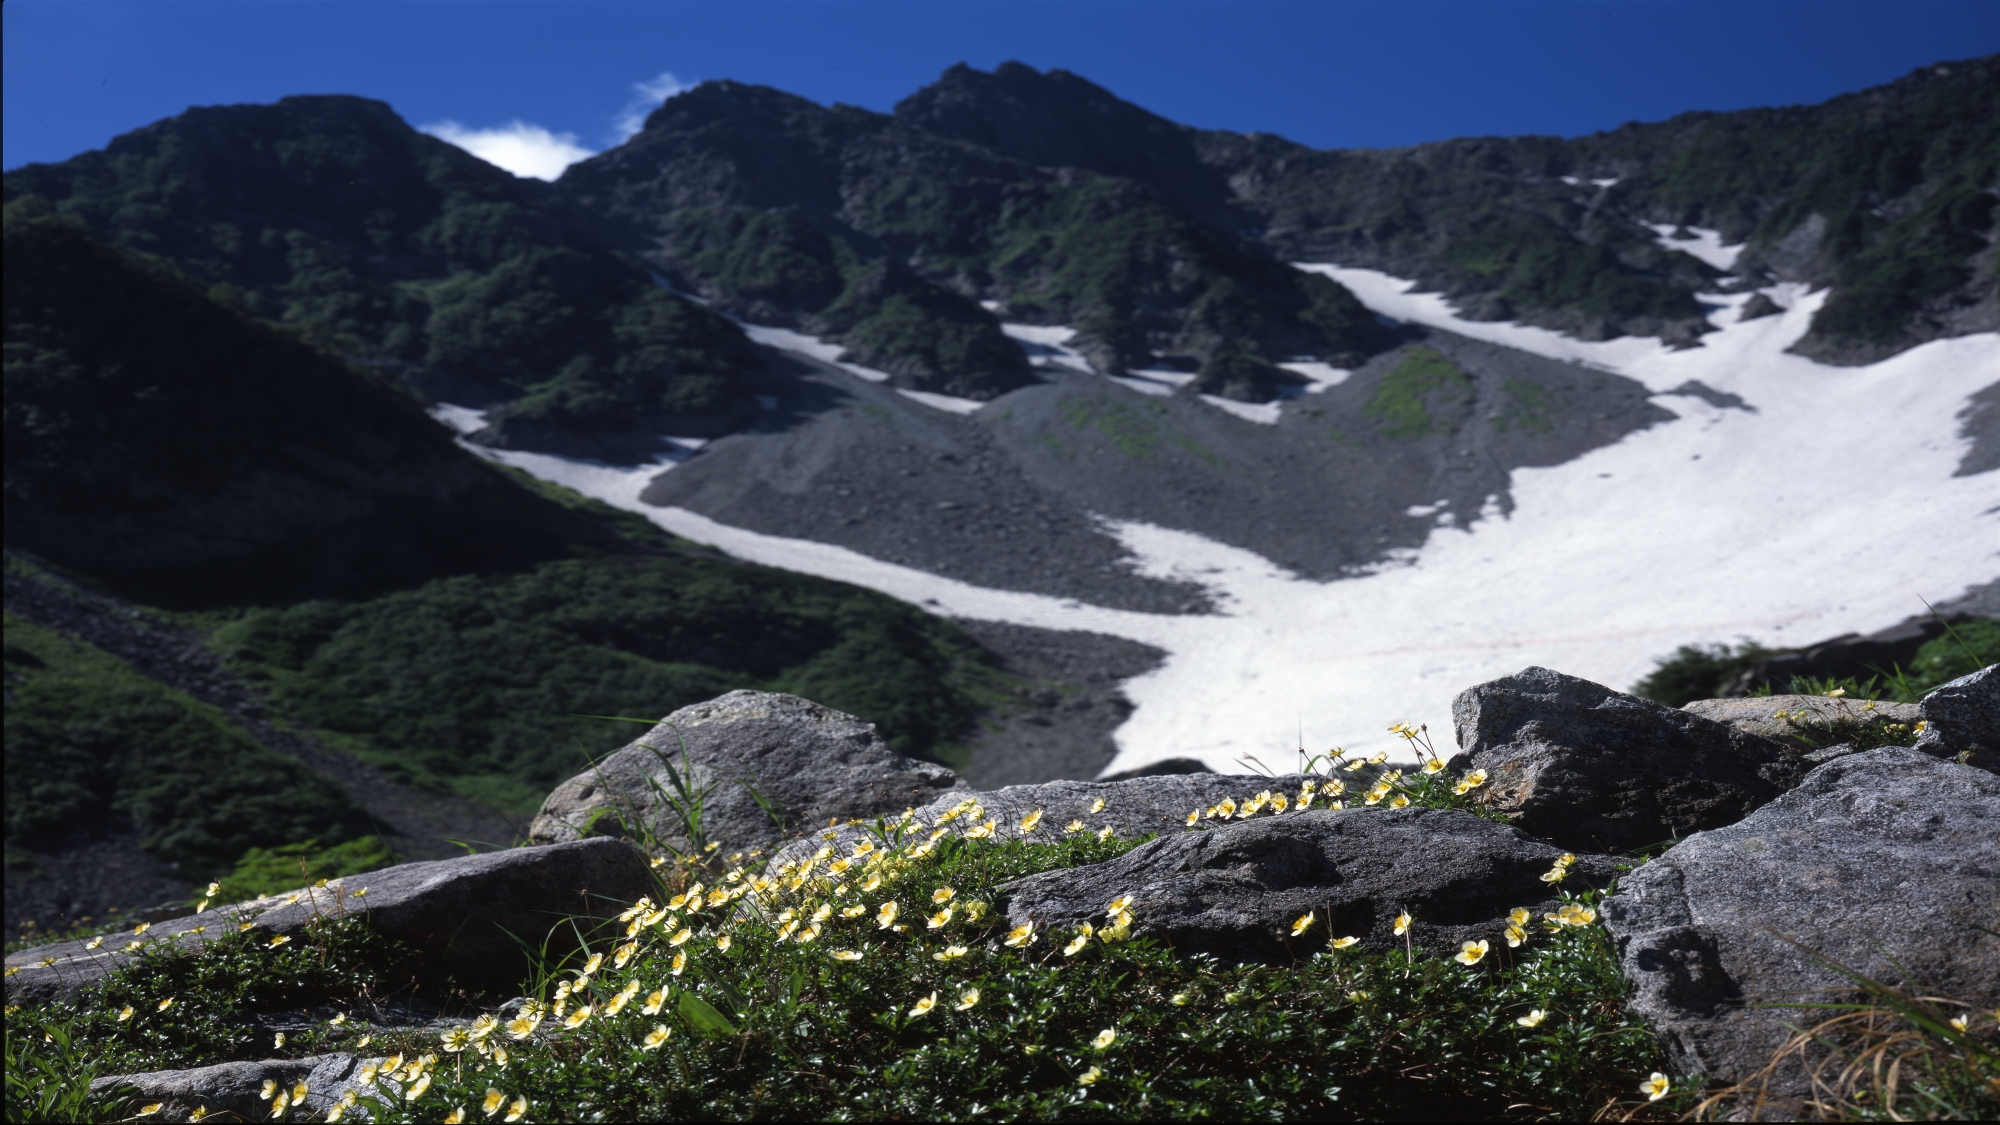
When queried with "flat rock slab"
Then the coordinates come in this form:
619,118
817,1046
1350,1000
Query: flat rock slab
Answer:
1136,806
1785,718
1592,769
232,1091
1963,720
811,764
1877,859
1234,890
457,913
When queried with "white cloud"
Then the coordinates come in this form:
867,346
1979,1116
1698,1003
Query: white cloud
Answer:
520,148
646,97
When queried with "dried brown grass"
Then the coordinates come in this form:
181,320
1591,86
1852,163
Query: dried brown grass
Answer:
1900,1061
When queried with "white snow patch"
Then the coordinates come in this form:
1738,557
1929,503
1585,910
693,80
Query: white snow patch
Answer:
1322,375
1705,245
1143,386
1048,345
949,403
788,340
1832,509
1571,180
1605,183
1159,382
462,419
618,485
1397,298
1265,413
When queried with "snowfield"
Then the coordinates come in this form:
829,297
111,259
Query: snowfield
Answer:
1705,245
788,340
1827,505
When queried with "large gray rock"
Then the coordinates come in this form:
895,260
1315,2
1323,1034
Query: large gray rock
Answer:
811,763
1811,721
1963,719
1877,860
1134,806
233,1091
1593,769
458,914
1234,890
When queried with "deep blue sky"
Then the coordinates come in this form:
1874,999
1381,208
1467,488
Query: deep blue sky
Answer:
1329,73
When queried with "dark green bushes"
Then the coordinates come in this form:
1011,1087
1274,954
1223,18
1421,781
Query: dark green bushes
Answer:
92,746
1701,671
472,682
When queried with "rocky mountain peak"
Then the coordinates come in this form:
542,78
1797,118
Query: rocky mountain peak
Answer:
724,102
323,163
1059,119
726,143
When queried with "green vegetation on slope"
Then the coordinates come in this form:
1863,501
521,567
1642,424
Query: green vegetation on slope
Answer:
1537,267
188,455
883,234
94,746
471,682
425,611
1424,380
1899,179
332,215
1135,429
1701,671
1530,406
268,871
1487,221
1135,276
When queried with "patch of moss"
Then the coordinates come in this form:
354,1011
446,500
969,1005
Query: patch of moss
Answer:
268,871
1402,403
1530,406
1129,429
92,745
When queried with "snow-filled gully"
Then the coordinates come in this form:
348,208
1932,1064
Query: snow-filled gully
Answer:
1829,508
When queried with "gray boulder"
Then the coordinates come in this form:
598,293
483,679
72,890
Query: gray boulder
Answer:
1135,806
1592,769
1884,861
1235,890
233,1091
810,764
1811,721
1963,720
458,914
